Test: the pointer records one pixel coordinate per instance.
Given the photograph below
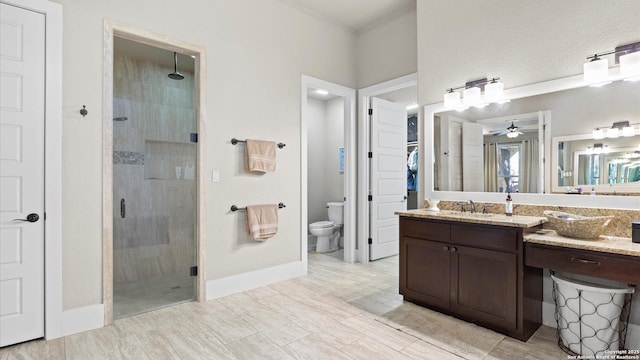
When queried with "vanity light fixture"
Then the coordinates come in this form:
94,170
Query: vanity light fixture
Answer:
472,94
596,70
619,128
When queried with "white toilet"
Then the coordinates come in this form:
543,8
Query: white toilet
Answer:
328,232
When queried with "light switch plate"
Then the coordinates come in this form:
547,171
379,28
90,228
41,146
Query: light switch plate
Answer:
215,176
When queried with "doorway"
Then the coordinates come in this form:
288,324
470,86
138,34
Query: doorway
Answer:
154,186
153,244
375,220
328,165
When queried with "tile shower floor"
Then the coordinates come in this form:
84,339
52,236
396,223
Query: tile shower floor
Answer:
337,311
135,297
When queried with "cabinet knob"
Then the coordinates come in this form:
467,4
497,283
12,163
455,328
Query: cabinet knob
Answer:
445,248
453,249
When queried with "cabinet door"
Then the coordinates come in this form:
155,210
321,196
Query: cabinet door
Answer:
484,285
425,271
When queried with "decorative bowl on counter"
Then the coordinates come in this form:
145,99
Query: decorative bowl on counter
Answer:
577,226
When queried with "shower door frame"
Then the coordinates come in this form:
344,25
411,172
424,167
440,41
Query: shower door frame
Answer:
113,29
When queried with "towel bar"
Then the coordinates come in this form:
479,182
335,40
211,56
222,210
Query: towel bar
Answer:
235,141
235,208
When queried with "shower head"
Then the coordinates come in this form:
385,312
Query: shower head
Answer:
122,118
175,75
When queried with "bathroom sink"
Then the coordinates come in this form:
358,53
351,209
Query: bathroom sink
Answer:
578,226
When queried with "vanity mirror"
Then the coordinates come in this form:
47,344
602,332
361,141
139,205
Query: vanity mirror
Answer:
609,165
563,109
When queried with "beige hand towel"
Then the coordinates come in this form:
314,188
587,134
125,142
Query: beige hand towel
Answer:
262,221
260,156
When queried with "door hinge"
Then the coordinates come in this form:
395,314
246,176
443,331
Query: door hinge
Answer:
370,241
193,271
370,197
370,155
194,137
370,111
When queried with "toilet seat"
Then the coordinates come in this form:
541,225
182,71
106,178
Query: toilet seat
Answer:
322,225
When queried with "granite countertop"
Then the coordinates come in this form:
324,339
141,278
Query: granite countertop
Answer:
518,221
607,244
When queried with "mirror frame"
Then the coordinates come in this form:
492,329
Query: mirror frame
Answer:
572,82
623,188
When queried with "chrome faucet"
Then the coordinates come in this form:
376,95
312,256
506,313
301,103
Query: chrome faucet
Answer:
473,206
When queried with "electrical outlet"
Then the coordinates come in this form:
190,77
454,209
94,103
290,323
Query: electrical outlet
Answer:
215,176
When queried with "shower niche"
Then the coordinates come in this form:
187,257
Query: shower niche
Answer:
169,160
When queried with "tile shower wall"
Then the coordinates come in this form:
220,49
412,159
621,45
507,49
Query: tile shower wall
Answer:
157,235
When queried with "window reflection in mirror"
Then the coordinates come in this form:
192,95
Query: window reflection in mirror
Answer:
475,151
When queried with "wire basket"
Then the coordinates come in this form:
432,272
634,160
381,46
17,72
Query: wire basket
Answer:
591,319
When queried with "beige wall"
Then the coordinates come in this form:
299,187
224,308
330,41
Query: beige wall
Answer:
522,42
388,50
256,52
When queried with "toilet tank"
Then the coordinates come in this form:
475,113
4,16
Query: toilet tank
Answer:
336,212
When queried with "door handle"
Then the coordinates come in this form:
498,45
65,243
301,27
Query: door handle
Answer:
123,208
453,249
445,248
30,218
404,198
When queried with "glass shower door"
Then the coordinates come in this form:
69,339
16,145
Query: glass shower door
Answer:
154,186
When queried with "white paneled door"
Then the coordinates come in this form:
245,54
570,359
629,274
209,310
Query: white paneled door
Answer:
388,177
22,101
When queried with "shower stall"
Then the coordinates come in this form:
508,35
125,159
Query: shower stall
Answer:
154,179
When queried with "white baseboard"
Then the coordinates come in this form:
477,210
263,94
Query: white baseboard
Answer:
82,319
549,314
254,279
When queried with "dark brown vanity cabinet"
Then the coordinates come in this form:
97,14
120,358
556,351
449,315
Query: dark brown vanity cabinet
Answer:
474,272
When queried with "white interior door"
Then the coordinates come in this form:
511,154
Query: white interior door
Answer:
388,176
22,87
472,157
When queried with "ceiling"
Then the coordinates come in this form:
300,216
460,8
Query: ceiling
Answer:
156,55
356,14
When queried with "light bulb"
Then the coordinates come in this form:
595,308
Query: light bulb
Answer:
628,131
596,71
452,99
494,91
630,66
471,96
598,134
512,135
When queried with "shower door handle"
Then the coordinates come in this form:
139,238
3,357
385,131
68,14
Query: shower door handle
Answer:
123,208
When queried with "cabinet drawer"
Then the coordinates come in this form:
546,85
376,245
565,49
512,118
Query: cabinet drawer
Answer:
608,266
486,237
425,229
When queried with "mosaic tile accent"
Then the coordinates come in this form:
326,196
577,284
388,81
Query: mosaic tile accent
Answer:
128,158
619,226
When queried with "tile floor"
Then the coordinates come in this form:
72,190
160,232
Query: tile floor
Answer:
337,311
